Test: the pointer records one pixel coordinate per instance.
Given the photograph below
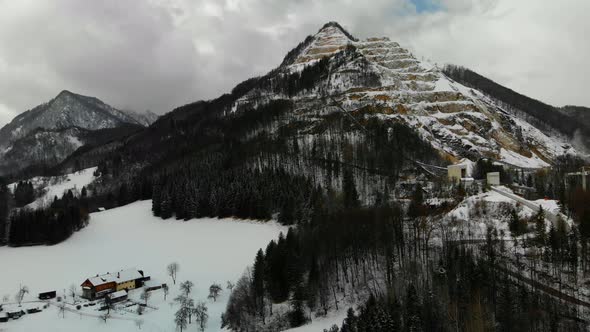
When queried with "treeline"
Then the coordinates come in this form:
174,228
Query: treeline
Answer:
334,252
241,192
49,225
4,209
347,253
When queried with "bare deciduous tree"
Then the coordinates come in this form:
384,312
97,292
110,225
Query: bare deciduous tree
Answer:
139,323
109,304
166,290
73,292
145,296
187,304
180,318
230,286
104,317
186,287
20,295
61,307
214,291
5,298
173,270
201,315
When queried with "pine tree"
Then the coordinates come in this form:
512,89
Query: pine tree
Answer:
516,226
540,231
505,307
297,314
258,283
412,319
351,196
157,200
350,322
416,207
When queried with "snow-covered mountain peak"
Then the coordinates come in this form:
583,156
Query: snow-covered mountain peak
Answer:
378,77
329,40
51,131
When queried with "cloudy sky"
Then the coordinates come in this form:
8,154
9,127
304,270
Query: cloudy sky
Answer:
158,54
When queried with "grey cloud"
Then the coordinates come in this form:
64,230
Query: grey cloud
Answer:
160,54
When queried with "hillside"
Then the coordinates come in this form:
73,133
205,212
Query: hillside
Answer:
572,122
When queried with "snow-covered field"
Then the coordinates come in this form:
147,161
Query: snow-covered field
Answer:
207,250
57,185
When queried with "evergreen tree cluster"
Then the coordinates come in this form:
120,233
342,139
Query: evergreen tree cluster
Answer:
4,209
49,225
205,189
24,193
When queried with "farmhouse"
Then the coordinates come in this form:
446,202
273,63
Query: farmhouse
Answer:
101,285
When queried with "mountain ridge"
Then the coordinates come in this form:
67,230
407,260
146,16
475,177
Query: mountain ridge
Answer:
51,131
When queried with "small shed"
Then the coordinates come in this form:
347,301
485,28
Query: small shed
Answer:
152,285
493,178
118,296
459,171
15,314
47,295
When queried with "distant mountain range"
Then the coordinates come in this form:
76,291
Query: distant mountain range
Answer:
50,132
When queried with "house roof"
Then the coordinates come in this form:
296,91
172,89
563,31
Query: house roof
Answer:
117,295
117,277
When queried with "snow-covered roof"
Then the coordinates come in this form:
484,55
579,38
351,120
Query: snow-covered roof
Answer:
152,283
117,294
117,277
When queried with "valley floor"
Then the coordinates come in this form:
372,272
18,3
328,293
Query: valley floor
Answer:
207,250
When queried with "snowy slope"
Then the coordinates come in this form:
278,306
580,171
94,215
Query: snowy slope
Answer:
475,214
319,324
208,250
52,186
459,121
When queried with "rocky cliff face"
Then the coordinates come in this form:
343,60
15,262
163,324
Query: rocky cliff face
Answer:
50,132
377,78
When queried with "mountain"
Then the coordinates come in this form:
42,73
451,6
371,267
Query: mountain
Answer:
50,132
377,78
142,118
331,92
